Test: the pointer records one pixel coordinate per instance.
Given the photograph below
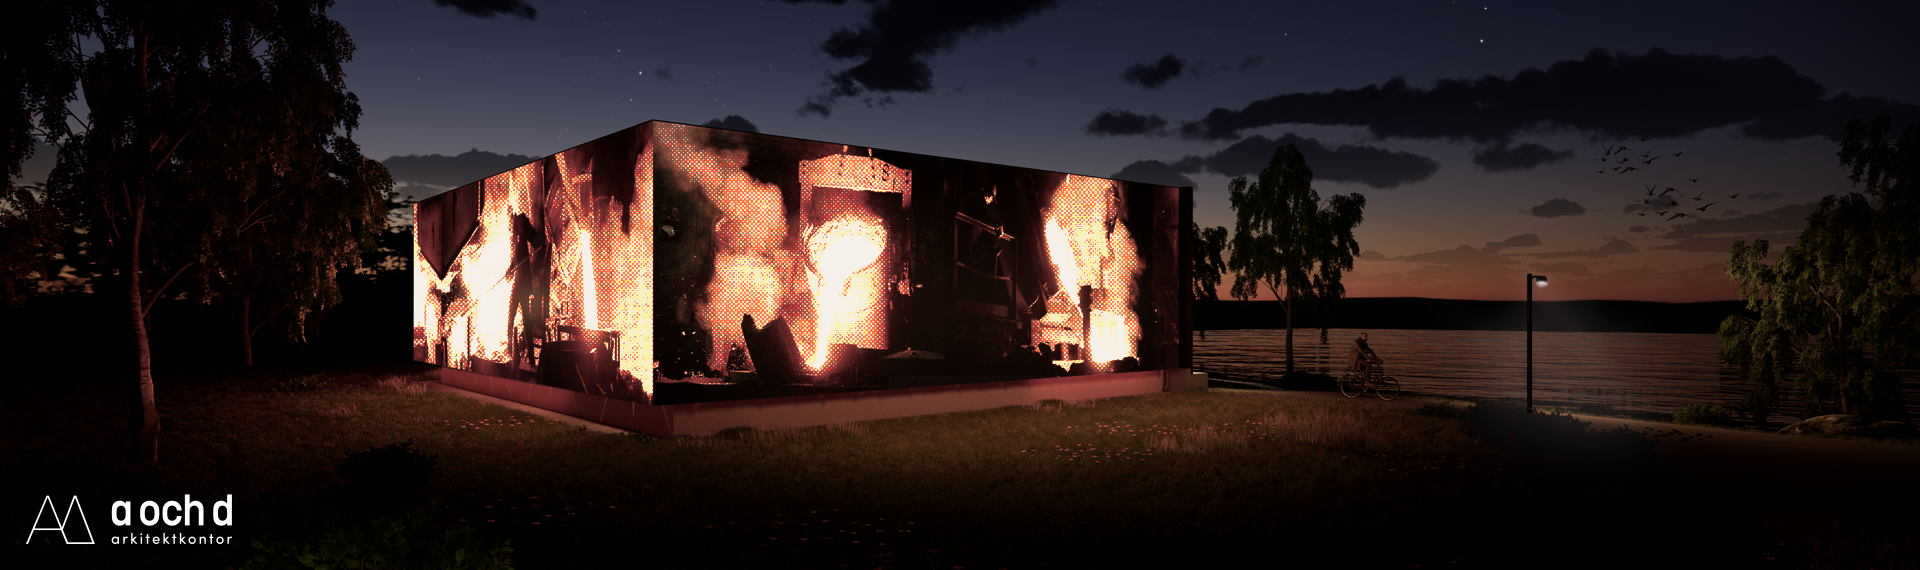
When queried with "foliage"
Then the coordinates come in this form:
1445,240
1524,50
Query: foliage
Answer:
216,147
1704,414
1205,247
1285,239
388,471
28,225
414,540
1844,291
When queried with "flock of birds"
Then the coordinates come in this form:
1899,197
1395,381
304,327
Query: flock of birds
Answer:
1622,155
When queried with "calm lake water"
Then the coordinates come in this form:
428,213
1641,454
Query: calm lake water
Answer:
1615,373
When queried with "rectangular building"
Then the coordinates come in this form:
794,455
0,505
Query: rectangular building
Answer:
671,264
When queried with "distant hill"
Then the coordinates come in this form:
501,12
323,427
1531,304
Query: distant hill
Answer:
1451,314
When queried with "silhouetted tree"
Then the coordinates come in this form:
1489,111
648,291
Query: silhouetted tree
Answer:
30,227
192,107
1841,302
1285,239
290,237
1207,244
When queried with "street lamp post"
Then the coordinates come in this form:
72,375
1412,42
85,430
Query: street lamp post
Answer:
1532,280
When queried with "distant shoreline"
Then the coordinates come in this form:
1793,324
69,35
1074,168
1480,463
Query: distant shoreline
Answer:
1419,313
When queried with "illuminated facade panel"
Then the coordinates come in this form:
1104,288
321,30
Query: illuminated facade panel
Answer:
670,263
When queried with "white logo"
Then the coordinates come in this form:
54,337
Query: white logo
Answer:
60,521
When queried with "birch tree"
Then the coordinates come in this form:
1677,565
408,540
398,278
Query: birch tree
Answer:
1841,302
1286,239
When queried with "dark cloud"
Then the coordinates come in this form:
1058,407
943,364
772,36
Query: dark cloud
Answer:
894,42
1658,94
1558,207
733,122
1522,240
1723,243
1115,122
1252,61
1154,74
1464,255
1153,172
1373,166
490,8
1499,157
450,171
1764,196
1791,217
664,74
1613,247
417,191
1564,268
1731,214
1373,256
1639,229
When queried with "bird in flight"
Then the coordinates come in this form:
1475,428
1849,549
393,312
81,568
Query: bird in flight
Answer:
1609,151
1704,208
1734,196
1695,179
1622,149
1628,169
1650,160
1703,194
1678,153
1643,212
1614,167
1679,215
1662,214
1650,188
1669,189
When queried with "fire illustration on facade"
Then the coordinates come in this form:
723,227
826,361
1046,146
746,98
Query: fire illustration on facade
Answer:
675,261
1088,247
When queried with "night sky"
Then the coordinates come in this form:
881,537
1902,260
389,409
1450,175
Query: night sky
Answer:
1472,129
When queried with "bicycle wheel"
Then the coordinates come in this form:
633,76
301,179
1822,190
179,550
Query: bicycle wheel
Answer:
1386,388
1350,386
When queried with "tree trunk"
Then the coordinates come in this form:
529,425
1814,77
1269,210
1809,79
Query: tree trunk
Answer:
143,419
1289,309
246,330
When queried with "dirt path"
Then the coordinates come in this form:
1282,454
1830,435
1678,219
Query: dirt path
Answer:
1799,487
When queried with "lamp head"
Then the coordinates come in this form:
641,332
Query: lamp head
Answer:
1540,280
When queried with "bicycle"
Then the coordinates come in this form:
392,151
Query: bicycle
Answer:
1353,385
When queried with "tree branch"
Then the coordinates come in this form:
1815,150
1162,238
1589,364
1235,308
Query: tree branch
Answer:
147,304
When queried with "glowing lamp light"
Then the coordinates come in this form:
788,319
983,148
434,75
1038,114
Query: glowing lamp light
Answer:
1540,280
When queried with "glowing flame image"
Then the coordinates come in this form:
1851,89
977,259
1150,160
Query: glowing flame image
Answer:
484,265
747,236
841,249
1088,246
587,277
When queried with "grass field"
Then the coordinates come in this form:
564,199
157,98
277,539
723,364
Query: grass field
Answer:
1196,478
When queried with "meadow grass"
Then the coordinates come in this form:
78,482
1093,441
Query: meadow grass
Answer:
1199,477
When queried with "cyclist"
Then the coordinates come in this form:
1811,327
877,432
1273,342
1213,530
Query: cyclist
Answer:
1360,359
